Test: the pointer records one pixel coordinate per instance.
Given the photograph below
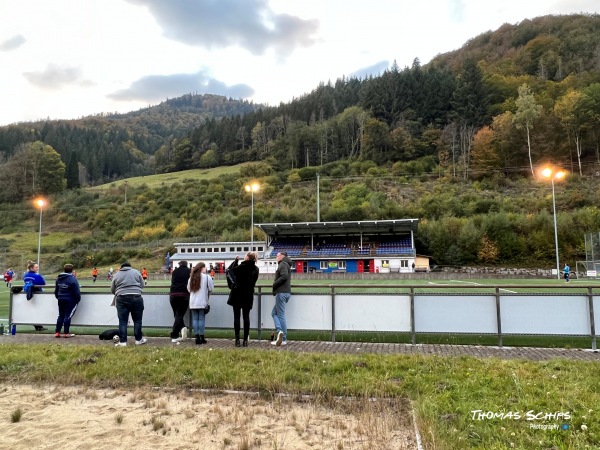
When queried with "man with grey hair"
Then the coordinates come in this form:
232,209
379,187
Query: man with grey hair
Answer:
282,290
127,285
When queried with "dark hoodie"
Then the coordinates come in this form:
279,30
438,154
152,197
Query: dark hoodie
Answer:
67,288
283,277
246,274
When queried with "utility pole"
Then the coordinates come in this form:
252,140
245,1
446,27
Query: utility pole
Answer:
318,198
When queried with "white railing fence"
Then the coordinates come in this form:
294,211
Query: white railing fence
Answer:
494,310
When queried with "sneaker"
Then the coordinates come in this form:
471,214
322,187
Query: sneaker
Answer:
176,340
283,342
141,342
184,333
279,339
57,335
121,344
68,335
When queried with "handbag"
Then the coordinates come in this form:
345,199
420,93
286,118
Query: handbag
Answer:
207,309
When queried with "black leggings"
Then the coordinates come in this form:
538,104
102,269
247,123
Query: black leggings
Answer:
236,321
180,306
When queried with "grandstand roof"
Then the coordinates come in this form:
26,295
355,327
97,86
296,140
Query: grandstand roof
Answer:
340,228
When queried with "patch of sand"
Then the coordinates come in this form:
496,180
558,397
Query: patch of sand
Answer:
57,417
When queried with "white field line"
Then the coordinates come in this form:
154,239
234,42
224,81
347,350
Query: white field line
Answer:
417,434
468,282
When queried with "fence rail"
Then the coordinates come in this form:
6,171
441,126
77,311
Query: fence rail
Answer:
494,310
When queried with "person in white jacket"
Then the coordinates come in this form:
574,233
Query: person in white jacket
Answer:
200,285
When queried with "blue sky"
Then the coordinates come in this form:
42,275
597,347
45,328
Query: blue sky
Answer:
63,59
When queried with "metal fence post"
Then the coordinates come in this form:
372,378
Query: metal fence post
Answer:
498,316
332,313
592,322
413,328
259,313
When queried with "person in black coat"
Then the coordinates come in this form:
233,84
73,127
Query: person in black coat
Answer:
241,297
179,298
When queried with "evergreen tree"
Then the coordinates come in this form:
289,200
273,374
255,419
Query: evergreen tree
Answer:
73,172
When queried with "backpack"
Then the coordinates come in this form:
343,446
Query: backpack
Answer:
231,282
28,289
109,335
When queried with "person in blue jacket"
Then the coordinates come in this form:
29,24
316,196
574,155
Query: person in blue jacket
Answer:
66,291
37,280
567,273
34,277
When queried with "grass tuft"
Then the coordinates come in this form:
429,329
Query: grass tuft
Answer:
16,415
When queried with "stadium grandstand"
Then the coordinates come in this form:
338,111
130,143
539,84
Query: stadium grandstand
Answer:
372,246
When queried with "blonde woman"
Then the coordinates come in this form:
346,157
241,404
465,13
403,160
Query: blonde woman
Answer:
200,285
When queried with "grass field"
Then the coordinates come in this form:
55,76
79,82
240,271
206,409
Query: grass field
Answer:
460,403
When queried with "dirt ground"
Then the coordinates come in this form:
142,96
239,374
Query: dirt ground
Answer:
56,417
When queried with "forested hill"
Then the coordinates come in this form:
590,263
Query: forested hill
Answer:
110,146
505,102
549,47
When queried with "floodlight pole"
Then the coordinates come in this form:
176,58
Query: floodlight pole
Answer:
555,230
40,203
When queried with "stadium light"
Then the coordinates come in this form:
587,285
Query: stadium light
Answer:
252,188
554,173
40,203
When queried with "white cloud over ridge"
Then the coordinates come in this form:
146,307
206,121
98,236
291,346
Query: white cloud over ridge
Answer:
155,88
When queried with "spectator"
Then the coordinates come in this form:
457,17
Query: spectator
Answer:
179,297
200,285
37,280
127,286
66,291
282,290
241,297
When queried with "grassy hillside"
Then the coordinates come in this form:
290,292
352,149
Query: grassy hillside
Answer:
166,179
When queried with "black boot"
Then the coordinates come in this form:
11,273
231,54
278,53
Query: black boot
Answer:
237,342
202,340
198,341
245,343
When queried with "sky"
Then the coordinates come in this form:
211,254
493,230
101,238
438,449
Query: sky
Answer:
65,59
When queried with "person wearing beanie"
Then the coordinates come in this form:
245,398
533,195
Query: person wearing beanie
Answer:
241,297
127,285
68,294
179,297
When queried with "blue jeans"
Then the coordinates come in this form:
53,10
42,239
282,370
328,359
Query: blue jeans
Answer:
198,321
278,312
127,304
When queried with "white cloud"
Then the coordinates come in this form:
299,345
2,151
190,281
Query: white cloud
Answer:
12,43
